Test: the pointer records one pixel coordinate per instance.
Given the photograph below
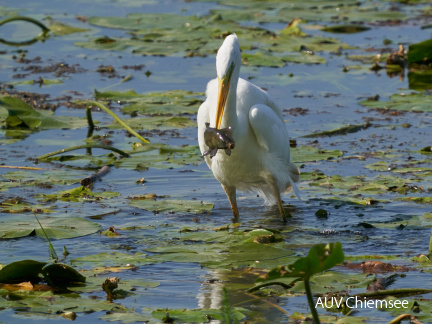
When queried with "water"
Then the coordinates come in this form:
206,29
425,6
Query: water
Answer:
331,97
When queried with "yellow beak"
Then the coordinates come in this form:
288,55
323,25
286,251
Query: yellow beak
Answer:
223,88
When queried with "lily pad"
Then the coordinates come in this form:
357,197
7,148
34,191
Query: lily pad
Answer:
61,29
190,36
21,271
407,102
58,274
310,153
156,103
321,257
46,303
216,249
420,52
280,11
266,59
197,315
340,131
20,114
172,206
420,79
113,259
161,156
78,194
156,122
346,29
56,228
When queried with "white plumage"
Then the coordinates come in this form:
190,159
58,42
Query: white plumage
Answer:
260,161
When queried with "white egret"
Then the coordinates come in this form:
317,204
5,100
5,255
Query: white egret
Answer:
260,161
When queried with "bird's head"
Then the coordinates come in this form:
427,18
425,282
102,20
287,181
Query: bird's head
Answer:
228,61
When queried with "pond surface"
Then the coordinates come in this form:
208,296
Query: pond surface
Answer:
177,246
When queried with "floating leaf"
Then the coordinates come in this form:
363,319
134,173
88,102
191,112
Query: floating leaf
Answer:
408,102
156,103
420,79
266,59
346,29
341,130
321,257
197,315
56,228
229,250
78,194
113,259
61,29
58,274
156,122
310,153
173,206
40,82
420,52
21,271
20,114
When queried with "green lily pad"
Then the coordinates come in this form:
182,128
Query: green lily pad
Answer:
420,309
333,281
21,271
172,206
78,194
346,29
340,131
22,207
128,317
419,79
156,122
190,36
113,259
58,177
197,315
407,102
56,228
310,153
44,82
280,11
420,52
61,29
265,59
321,257
156,103
161,156
228,250
46,303
58,274
20,114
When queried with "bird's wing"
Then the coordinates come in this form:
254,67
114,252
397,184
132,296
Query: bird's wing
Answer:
272,136
269,129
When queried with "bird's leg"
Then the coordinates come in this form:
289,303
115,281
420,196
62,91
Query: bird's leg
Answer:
276,193
231,194
281,210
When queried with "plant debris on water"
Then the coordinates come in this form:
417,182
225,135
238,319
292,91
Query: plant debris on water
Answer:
99,158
